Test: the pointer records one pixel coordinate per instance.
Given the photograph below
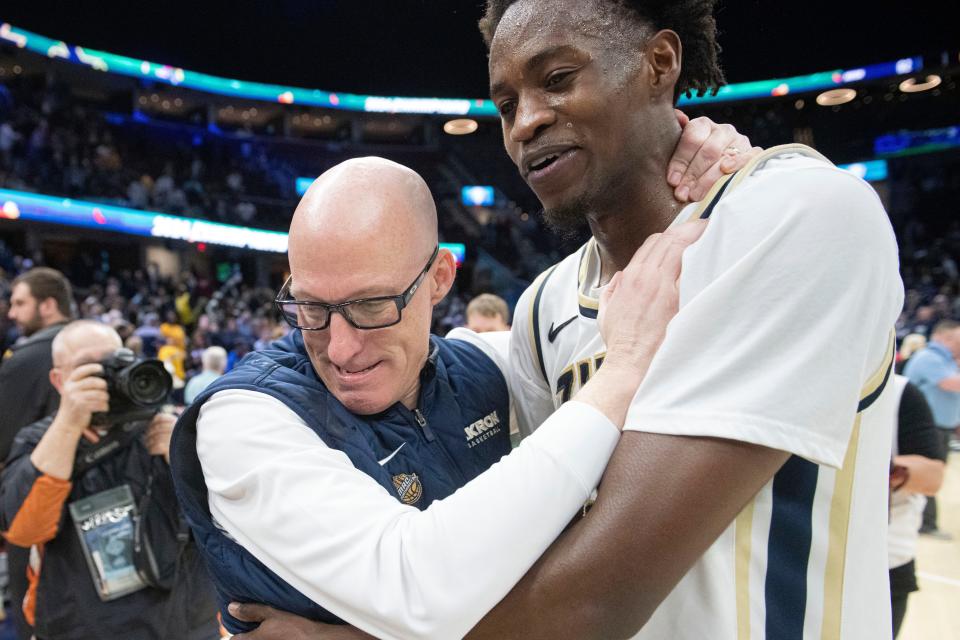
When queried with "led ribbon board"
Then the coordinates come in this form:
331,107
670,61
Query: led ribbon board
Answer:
21,205
869,170
909,143
77,213
142,69
812,82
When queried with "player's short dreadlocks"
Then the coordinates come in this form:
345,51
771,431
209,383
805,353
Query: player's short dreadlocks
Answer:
692,20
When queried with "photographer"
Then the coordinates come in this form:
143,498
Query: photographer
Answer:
89,488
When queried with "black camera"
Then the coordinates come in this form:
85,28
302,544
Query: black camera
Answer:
137,388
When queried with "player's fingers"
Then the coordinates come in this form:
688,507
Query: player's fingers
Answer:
672,261
691,139
641,254
735,162
721,138
249,612
91,435
682,118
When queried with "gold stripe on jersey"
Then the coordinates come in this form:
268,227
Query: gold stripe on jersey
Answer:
840,513
761,158
583,287
743,541
711,194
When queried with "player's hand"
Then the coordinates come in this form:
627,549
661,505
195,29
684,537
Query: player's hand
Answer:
706,152
280,625
158,434
84,393
640,301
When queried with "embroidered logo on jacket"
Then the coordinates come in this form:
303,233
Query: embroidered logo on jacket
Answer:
482,429
408,487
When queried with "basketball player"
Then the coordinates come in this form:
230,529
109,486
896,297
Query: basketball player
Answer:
747,496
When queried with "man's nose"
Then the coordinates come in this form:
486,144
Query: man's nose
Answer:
532,116
346,341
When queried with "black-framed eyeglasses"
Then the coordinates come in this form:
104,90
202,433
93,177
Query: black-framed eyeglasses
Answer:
364,313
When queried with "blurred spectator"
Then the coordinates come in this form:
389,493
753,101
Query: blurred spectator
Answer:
149,333
135,344
41,303
173,356
911,344
101,573
240,348
488,312
173,331
918,472
214,364
935,372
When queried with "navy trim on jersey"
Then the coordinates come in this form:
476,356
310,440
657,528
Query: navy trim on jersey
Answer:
870,399
713,203
788,551
536,324
588,313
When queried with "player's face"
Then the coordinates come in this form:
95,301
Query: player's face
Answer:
563,74
25,310
367,370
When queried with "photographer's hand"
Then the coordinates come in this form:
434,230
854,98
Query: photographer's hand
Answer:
83,394
157,437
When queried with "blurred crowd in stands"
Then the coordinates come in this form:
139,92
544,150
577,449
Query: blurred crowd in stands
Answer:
173,319
52,142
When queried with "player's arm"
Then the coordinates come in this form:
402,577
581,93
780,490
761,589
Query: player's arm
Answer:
344,542
712,423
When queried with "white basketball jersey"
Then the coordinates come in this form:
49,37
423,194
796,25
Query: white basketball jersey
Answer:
783,339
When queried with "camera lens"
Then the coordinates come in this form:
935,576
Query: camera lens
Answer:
148,383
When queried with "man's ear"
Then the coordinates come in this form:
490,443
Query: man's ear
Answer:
47,308
56,379
443,276
664,54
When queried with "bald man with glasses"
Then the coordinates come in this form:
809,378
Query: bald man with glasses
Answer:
358,471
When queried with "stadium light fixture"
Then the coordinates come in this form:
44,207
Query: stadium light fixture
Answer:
910,85
836,97
460,126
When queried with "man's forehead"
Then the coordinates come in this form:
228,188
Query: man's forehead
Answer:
21,291
534,29
92,353
344,283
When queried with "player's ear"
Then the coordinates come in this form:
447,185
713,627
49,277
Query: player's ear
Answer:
664,55
443,275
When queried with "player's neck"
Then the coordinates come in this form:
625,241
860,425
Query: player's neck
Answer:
645,206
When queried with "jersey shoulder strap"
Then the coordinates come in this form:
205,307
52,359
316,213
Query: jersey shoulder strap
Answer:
704,210
534,319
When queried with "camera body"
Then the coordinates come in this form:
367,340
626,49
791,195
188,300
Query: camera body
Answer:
138,388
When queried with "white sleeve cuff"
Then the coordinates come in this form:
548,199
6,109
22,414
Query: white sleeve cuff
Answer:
584,441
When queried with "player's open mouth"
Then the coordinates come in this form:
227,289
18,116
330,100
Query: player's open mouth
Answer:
551,167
